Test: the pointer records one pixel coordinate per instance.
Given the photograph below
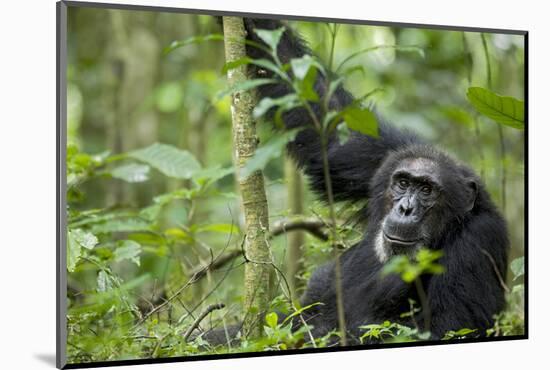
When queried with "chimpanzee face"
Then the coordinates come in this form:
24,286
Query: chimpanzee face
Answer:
414,191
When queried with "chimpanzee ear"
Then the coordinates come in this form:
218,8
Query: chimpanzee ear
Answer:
471,196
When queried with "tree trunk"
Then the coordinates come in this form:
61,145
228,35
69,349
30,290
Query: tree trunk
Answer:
254,202
295,193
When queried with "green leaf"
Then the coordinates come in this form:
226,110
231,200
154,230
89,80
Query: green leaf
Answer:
73,252
219,228
128,250
85,239
404,48
505,110
267,103
410,270
458,115
518,267
269,65
300,66
76,240
131,172
121,225
343,134
263,63
361,120
334,86
271,319
169,160
272,149
104,282
169,97
270,37
236,64
244,86
300,310
306,87
193,40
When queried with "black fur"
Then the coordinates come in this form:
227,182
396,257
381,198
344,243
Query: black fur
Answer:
467,295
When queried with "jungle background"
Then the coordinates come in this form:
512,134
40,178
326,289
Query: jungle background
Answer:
152,197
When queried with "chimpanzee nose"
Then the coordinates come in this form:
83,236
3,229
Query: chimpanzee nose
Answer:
406,208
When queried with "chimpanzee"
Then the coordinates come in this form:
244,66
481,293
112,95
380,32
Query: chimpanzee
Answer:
418,196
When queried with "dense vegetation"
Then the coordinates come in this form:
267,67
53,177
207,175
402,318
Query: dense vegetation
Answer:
155,225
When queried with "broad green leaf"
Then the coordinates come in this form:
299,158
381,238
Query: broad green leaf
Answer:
132,172
128,250
270,37
76,240
505,110
267,103
361,120
85,239
272,149
192,40
169,160
518,267
271,319
244,86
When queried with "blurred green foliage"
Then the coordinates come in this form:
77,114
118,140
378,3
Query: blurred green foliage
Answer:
151,193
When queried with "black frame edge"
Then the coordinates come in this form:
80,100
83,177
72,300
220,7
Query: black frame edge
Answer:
61,145
216,12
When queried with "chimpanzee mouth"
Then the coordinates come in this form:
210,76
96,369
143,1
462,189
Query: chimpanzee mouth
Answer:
401,242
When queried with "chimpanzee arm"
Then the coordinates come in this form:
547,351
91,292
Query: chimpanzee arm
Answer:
352,164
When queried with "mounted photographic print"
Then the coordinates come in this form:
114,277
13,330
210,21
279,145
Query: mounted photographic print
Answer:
238,184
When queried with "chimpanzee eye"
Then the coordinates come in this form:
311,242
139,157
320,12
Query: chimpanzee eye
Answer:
403,183
426,189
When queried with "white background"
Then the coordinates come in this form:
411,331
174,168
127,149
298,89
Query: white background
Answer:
27,170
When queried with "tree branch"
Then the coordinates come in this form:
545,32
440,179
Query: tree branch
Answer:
311,225
212,307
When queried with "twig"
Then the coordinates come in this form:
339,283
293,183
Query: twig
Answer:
499,276
192,280
312,226
212,307
216,264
